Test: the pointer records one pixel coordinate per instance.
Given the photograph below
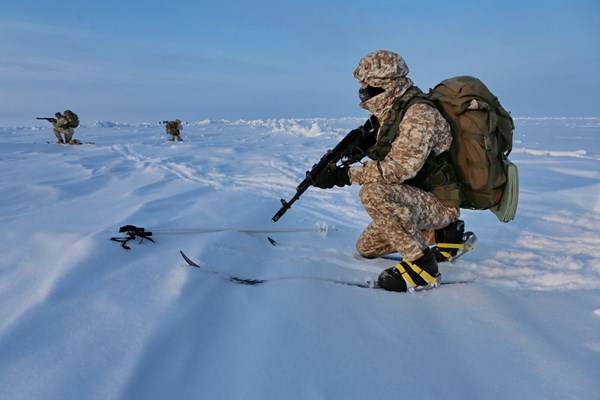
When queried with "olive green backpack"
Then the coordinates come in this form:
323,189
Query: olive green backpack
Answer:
482,132
72,118
171,126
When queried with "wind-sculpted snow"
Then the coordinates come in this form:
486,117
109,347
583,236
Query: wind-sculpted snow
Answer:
81,317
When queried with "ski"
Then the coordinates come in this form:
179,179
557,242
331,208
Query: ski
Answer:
231,278
76,143
255,282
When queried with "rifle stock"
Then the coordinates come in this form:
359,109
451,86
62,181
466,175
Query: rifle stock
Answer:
349,149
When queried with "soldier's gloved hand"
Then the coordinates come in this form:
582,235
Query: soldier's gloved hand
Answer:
366,141
333,176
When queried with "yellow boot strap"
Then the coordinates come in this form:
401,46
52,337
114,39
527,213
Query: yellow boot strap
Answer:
422,273
409,281
453,246
449,256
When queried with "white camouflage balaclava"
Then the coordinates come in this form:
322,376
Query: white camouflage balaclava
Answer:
387,70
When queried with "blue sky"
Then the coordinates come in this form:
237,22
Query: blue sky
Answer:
153,60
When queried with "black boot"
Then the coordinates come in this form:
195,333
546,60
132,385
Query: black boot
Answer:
451,234
392,279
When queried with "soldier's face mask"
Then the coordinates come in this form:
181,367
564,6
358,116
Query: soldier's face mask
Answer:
368,92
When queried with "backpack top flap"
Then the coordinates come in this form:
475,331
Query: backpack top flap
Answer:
463,93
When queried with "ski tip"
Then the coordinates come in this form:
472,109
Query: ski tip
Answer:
272,241
189,260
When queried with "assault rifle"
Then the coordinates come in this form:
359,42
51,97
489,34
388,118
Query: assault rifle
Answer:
49,119
349,150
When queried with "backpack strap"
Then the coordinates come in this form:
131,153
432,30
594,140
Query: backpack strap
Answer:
414,95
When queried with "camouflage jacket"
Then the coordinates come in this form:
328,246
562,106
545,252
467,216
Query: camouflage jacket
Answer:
423,131
62,124
173,127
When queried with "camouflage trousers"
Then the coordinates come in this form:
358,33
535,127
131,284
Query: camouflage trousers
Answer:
68,132
174,135
404,220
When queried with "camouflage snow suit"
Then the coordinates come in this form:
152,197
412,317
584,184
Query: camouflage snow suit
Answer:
61,126
174,129
403,217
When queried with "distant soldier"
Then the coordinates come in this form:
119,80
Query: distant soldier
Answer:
65,124
61,124
174,129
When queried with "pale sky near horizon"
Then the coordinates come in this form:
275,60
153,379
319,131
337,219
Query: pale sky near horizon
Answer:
153,60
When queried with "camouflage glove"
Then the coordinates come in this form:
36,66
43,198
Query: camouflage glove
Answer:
332,176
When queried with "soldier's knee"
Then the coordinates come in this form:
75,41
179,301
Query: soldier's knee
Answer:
370,193
365,251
